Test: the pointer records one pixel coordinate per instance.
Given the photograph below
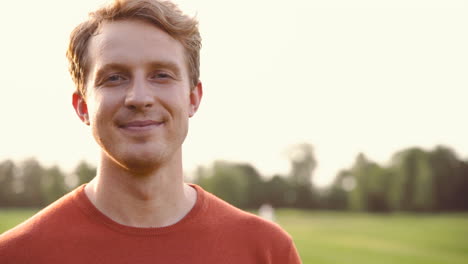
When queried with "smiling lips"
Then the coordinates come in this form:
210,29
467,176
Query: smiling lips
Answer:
142,125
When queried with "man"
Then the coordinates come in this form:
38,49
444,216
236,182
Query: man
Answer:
136,67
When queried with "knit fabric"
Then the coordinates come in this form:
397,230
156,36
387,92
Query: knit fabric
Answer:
73,230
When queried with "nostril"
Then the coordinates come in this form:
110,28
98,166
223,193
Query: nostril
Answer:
139,101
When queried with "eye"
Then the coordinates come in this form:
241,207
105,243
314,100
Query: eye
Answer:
161,76
114,78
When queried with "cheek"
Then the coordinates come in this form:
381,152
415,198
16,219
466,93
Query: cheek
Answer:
101,107
94,112
184,102
176,103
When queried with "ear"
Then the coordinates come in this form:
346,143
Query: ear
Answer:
196,95
81,108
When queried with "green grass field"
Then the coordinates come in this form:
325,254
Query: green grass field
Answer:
11,217
332,237
327,237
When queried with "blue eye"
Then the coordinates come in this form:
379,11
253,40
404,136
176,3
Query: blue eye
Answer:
115,78
162,75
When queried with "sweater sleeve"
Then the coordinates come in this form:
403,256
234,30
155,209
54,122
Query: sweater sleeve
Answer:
293,255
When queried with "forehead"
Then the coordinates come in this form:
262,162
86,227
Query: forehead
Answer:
133,43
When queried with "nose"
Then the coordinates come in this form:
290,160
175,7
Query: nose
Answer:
139,96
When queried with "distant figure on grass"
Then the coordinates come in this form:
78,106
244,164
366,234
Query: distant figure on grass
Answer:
267,212
135,64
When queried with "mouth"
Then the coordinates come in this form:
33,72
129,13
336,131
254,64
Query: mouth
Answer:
141,125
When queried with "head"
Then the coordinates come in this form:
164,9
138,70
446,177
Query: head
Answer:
136,67
162,14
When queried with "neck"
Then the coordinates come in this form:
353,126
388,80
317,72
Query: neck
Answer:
160,198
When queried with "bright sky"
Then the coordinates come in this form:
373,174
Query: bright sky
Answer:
346,76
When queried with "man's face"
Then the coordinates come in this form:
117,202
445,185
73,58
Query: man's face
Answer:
138,97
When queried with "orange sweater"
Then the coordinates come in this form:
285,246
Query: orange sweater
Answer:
72,230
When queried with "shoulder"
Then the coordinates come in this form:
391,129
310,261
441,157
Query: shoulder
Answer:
246,233
221,210
244,226
39,228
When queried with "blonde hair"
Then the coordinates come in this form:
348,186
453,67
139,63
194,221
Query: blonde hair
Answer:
163,14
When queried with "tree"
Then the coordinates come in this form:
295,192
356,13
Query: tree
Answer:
412,182
448,179
357,198
415,180
336,196
254,190
462,193
278,192
237,183
7,177
84,173
53,184
30,177
303,164
371,180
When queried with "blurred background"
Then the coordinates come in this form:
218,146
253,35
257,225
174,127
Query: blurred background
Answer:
345,116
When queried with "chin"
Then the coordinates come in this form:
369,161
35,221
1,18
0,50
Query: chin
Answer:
141,167
141,158
143,162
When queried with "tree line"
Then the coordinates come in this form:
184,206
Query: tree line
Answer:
29,184
413,180
242,185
